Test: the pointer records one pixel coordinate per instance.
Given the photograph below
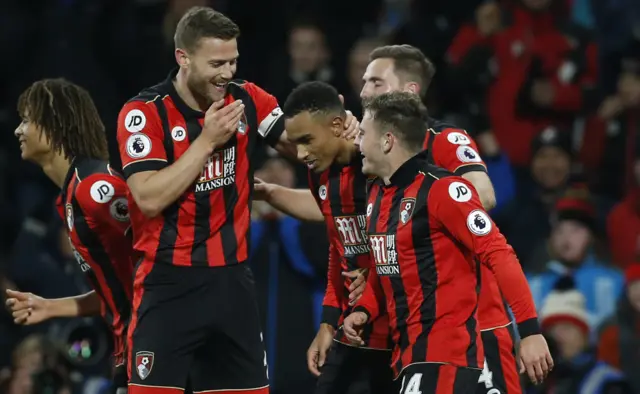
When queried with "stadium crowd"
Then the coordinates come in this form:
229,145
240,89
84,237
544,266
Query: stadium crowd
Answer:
549,90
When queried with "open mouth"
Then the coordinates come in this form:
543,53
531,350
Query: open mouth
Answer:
220,86
310,164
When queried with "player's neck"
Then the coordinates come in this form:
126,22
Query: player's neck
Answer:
56,167
347,151
186,94
395,161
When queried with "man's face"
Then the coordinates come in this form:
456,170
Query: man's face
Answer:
550,167
211,66
369,142
317,138
307,49
379,78
33,142
633,292
570,240
570,339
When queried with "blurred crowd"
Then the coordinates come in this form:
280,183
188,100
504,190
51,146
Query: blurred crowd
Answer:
550,90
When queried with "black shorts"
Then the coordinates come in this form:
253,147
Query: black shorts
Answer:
353,370
432,378
500,374
120,379
196,325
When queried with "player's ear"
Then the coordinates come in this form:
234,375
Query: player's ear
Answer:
337,126
387,142
181,57
412,87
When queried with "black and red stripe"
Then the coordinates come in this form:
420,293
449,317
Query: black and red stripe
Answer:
110,273
415,296
346,199
192,233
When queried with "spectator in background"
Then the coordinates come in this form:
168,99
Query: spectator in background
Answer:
309,60
564,319
571,247
290,272
619,343
546,73
525,221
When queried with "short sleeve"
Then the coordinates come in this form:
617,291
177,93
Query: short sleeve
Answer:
103,200
269,114
454,150
140,138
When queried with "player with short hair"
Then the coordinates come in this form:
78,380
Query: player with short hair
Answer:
186,146
427,229
314,117
61,131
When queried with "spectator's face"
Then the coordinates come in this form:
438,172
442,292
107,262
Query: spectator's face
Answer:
317,138
277,171
537,5
629,88
33,142
210,66
570,339
370,142
550,167
633,292
570,241
379,78
307,49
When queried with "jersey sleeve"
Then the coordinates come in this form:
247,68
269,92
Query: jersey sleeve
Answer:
140,138
455,205
103,200
372,300
455,151
270,119
332,303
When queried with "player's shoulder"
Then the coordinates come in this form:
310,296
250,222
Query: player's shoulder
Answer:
138,109
98,182
446,181
443,130
241,85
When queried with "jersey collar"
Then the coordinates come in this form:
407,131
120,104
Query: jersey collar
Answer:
407,172
184,109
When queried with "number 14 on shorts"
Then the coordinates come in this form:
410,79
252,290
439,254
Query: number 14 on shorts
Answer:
413,385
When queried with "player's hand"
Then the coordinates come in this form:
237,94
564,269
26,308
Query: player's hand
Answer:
351,127
352,327
221,122
535,358
317,353
27,308
358,284
261,189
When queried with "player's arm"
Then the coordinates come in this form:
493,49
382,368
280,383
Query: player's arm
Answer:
103,200
456,206
372,300
87,304
155,184
332,302
455,151
298,203
28,308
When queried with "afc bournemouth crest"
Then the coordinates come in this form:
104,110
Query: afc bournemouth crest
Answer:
69,213
144,364
406,209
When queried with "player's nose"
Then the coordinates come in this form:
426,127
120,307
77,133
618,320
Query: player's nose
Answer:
18,131
302,153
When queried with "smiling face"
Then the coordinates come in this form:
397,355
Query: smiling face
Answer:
370,141
33,142
209,67
317,138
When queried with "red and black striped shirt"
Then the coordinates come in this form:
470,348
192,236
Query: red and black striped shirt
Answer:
425,229
340,192
209,224
93,205
454,150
